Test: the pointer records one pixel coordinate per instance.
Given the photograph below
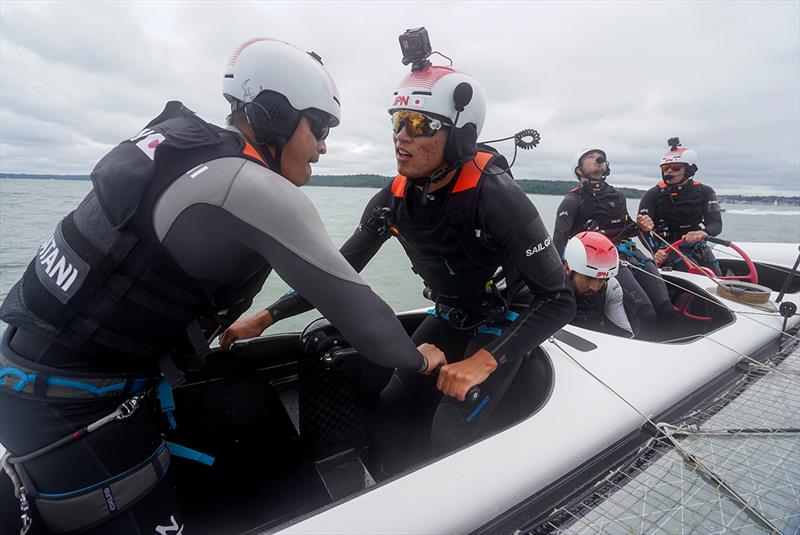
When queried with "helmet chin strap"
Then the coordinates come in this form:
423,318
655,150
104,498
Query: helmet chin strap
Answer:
435,178
273,162
593,182
682,182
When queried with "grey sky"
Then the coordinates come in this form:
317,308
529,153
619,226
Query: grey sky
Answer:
77,78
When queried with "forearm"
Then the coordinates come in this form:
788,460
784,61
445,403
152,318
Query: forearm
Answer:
358,250
545,315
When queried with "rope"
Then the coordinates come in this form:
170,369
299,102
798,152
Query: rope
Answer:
683,256
689,458
745,294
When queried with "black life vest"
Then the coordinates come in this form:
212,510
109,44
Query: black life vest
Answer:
679,209
452,255
103,286
591,308
605,206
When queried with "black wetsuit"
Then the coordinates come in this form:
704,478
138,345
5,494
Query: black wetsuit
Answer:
202,222
599,206
678,209
604,311
456,253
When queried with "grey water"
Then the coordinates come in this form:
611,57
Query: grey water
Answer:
30,209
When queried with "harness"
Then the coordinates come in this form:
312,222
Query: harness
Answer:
93,504
453,256
631,252
104,265
679,209
602,210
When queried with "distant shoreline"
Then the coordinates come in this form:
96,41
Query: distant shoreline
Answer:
534,187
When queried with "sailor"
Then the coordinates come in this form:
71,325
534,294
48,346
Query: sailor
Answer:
184,223
597,206
459,215
681,208
592,261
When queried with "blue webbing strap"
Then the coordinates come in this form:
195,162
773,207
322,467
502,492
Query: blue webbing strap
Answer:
188,453
27,378
166,401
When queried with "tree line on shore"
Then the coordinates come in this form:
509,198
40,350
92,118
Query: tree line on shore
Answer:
534,187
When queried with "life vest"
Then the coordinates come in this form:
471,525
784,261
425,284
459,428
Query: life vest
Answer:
605,206
679,209
453,256
591,308
102,285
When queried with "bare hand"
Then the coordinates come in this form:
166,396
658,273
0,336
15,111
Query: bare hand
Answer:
644,222
660,256
244,328
434,355
457,378
695,236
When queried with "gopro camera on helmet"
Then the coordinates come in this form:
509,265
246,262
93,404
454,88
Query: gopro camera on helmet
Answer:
416,47
674,143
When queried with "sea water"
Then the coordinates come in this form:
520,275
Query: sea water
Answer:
30,209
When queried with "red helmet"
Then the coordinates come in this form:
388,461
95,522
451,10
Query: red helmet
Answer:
592,254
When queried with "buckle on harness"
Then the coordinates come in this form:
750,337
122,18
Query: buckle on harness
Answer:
128,407
24,508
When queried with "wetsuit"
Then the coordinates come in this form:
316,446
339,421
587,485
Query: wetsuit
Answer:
456,240
681,208
184,222
600,206
604,311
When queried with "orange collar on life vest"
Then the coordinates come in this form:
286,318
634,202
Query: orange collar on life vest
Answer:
468,177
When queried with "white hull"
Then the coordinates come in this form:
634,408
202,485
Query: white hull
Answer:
467,489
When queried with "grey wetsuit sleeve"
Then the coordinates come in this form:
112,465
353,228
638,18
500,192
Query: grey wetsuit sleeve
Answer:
358,250
712,215
614,309
565,217
255,213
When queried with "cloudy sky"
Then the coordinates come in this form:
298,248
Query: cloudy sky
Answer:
76,78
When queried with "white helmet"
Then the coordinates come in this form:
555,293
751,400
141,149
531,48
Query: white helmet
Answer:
576,162
438,90
592,254
285,80
678,154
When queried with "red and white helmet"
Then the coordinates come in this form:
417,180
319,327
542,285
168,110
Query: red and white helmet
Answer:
592,254
678,154
436,90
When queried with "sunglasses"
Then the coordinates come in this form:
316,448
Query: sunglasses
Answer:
319,124
675,167
415,123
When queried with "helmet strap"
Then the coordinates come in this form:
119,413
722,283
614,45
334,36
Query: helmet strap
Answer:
435,178
273,162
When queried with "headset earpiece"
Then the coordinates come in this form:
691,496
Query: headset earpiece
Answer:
462,95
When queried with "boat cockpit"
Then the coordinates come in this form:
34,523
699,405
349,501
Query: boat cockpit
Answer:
287,415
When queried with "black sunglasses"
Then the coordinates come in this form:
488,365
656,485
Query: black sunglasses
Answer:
319,124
